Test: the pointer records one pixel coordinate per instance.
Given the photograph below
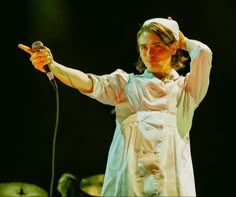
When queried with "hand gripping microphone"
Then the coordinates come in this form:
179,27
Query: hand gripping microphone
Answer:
39,45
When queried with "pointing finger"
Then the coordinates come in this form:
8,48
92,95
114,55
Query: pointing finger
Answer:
26,49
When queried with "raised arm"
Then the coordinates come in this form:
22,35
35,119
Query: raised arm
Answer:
71,77
197,81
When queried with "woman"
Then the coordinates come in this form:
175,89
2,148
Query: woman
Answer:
150,152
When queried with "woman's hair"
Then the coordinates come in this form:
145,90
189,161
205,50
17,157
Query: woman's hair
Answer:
167,37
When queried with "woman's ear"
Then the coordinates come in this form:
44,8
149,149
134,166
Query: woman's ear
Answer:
174,48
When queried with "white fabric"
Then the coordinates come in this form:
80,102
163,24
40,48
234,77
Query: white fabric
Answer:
150,153
170,24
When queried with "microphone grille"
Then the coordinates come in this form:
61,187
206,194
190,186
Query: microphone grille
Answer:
37,45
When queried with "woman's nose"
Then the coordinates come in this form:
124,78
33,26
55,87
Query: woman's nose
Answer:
150,52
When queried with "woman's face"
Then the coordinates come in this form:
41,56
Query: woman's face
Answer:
154,53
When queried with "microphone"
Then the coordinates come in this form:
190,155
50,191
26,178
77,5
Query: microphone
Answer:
39,45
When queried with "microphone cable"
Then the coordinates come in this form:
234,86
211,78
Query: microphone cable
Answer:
54,140
36,46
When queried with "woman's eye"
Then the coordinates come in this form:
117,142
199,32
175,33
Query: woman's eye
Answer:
143,47
157,45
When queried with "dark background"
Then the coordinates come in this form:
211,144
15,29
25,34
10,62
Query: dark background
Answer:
98,37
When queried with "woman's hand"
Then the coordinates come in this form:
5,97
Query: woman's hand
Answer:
39,58
182,39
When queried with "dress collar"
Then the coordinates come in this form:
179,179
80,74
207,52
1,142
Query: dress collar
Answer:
173,75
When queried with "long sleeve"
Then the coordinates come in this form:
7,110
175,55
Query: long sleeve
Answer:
195,85
197,81
109,88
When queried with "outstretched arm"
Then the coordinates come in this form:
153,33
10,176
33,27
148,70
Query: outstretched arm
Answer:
71,77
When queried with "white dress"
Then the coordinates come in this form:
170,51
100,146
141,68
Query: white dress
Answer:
150,151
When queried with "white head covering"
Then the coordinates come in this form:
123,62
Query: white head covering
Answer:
170,24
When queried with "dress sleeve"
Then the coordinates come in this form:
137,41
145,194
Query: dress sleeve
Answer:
197,81
109,88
